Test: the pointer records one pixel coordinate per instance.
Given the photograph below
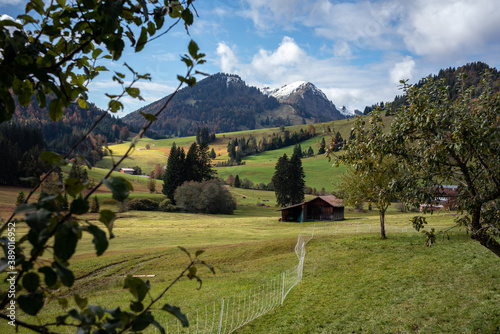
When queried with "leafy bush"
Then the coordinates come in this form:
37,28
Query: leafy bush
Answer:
205,197
166,206
143,204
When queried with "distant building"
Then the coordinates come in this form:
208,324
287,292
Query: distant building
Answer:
127,171
445,200
319,208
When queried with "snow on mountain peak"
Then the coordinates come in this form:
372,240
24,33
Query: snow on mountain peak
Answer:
287,90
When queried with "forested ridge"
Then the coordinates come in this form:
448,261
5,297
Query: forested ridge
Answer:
221,102
62,135
471,71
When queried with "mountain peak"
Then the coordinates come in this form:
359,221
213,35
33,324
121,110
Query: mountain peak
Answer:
308,98
285,92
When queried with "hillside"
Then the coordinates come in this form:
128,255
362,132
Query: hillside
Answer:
472,73
225,103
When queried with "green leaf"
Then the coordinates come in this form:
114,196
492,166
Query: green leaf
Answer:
65,241
142,321
193,49
80,302
175,311
149,117
107,217
136,307
31,303
50,275
184,250
119,186
160,328
199,252
97,310
73,186
208,266
100,241
133,92
79,206
187,16
31,281
96,53
67,277
137,287
151,28
143,38
52,158
63,302
38,220
82,103
56,109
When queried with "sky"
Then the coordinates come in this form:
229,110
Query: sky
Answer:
356,52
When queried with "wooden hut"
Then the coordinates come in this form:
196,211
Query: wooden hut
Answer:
319,208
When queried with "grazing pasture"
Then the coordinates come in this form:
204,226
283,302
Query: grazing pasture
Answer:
353,282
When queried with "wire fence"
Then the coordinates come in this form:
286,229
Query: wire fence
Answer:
235,311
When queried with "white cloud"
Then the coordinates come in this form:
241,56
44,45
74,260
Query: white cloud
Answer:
403,70
273,64
342,50
7,17
267,14
450,28
10,2
345,85
227,58
150,91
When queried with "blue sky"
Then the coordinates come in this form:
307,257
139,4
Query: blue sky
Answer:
355,51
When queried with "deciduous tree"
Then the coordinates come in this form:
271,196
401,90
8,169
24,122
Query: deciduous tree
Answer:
440,141
71,42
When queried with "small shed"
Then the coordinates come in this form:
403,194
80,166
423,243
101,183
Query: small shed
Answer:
319,208
127,171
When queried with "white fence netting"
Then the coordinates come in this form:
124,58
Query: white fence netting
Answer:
233,312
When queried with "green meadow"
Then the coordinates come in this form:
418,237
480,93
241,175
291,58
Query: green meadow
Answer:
258,168
353,281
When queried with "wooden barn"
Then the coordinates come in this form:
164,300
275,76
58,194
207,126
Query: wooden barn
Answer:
319,208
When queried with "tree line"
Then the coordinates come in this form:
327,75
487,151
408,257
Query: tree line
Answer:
239,148
191,166
21,147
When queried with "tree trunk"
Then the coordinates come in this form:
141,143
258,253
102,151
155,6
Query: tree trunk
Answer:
382,224
482,235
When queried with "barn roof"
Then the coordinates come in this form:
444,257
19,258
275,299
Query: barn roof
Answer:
330,199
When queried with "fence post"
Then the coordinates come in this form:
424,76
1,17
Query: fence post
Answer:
221,315
283,289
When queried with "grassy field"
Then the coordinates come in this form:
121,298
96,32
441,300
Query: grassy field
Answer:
259,168
352,282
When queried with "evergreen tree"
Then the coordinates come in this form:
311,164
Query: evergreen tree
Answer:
94,205
281,181
297,150
20,199
322,146
297,182
192,171
212,154
237,182
310,152
174,174
205,169
289,181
